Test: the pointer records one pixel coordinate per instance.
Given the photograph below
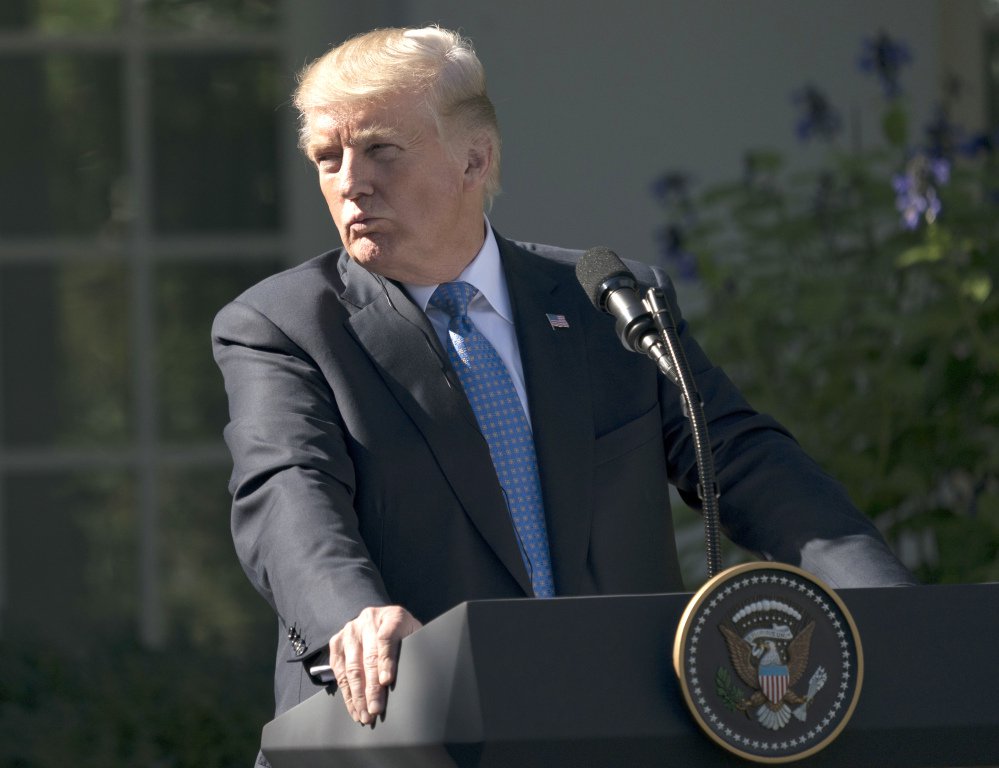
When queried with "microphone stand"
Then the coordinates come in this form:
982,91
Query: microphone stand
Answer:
707,487
742,589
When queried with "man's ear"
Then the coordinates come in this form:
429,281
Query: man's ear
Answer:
478,161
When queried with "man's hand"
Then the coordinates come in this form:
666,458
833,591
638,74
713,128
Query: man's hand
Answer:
363,657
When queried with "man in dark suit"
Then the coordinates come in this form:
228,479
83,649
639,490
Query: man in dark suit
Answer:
370,494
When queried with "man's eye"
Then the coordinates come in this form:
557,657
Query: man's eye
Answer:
383,150
328,163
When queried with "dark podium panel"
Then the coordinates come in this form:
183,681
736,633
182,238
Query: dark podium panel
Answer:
589,682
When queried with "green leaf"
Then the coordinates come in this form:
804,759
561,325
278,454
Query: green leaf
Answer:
764,160
894,124
919,254
977,287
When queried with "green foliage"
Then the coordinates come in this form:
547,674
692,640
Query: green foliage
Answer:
128,707
877,345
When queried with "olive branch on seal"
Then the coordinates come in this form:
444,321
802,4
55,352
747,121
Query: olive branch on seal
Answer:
730,693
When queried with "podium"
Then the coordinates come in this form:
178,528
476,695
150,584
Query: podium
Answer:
589,682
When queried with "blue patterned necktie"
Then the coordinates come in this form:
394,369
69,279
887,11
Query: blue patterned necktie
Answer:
501,418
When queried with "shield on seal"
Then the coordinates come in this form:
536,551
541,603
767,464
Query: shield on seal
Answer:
773,681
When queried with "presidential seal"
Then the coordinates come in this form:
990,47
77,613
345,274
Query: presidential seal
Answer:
769,661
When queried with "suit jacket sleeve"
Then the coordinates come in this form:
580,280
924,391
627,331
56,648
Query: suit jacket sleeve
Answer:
775,500
293,520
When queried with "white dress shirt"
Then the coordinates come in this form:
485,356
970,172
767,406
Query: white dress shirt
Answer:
489,310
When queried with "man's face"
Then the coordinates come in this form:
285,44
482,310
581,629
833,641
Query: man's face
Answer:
404,205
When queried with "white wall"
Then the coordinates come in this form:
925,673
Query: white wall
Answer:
596,98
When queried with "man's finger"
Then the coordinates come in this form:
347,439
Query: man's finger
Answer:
339,669
374,694
387,653
397,623
353,662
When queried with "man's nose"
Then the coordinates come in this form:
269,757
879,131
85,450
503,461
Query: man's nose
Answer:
355,176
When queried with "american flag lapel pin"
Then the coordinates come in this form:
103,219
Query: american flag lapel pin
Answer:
557,321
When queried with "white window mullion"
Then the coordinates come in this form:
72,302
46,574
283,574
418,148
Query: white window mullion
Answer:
138,133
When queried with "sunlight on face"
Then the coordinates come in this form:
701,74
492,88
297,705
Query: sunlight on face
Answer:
405,206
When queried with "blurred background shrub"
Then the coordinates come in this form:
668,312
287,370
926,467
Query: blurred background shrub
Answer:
858,302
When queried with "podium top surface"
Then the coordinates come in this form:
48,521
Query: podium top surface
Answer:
589,682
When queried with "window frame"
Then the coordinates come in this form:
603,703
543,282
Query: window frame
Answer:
141,249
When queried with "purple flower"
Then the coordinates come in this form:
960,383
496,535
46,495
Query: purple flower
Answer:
916,195
939,170
942,136
673,256
671,188
818,118
978,144
885,57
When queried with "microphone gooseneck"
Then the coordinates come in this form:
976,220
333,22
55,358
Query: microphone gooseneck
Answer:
707,487
647,326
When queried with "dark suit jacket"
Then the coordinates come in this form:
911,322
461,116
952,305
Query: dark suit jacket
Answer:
360,477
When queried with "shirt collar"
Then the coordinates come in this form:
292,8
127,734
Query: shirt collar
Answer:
485,272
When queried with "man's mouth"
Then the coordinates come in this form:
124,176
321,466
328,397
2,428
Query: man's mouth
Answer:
361,224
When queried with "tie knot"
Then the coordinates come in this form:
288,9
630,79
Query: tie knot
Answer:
453,298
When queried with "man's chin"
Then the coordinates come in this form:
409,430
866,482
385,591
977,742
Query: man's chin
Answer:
372,258
364,250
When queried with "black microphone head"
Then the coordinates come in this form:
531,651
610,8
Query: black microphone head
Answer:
595,268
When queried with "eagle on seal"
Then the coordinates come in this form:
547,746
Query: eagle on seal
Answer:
769,674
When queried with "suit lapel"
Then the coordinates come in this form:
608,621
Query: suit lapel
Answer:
400,341
554,361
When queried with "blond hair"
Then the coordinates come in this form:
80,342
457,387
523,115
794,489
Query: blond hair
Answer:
435,62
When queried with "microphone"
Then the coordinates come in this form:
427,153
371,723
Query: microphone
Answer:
612,288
